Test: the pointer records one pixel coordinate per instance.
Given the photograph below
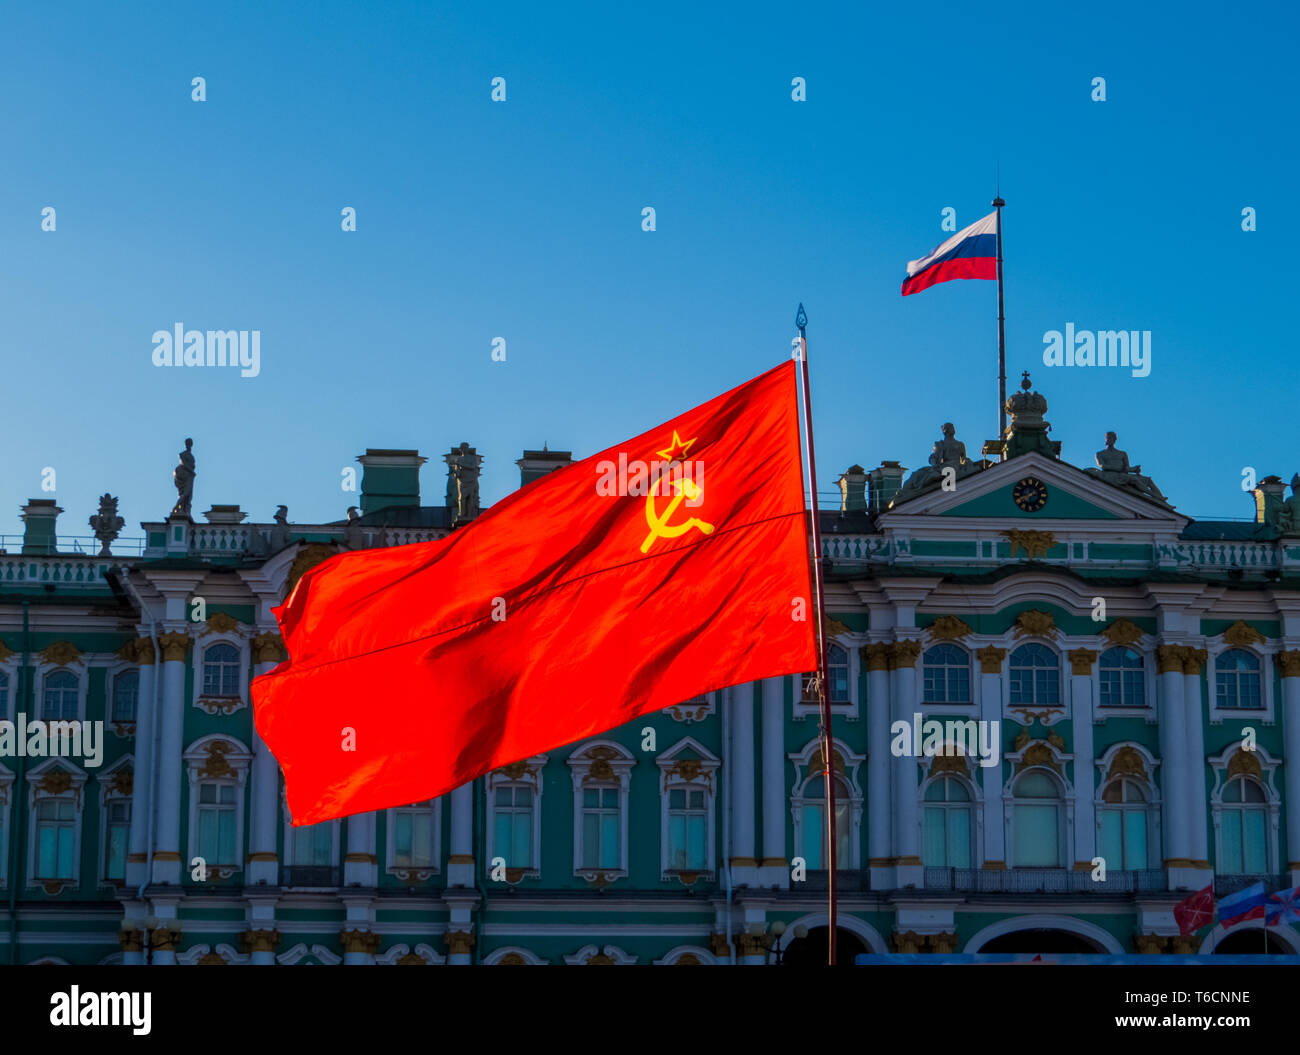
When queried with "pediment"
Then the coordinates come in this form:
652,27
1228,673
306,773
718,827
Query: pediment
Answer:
1071,495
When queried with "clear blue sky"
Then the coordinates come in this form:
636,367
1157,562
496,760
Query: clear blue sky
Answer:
523,220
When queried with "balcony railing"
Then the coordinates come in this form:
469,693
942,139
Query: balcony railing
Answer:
1230,884
310,875
1043,881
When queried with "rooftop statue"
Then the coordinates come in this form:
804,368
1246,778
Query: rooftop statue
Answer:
462,482
1114,468
183,478
948,453
1288,521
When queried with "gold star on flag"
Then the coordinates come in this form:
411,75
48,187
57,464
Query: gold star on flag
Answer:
677,448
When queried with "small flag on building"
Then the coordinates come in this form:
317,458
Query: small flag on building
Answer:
1243,905
972,253
1283,906
1195,911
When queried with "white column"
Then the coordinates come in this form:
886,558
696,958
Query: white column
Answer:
907,837
995,853
1173,753
1085,812
1290,665
879,819
263,860
460,865
360,865
138,851
167,852
775,792
744,865
1198,849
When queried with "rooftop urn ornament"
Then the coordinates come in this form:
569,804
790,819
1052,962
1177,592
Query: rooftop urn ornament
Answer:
1113,467
183,478
462,482
948,453
106,524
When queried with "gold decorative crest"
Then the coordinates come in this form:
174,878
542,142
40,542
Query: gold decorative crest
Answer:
220,623
216,764
1034,543
949,628
1127,761
1242,633
1122,632
61,653
1033,623
1244,762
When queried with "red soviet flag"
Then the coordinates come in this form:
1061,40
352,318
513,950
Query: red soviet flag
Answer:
671,565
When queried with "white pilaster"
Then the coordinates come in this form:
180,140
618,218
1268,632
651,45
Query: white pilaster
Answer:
774,868
880,858
263,860
137,866
1197,804
1173,759
360,865
460,865
167,852
1290,664
995,853
1082,664
907,836
744,864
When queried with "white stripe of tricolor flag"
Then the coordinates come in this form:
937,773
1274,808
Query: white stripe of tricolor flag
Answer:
988,225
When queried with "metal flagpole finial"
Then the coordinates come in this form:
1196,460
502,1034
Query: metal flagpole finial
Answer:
801,318
998,202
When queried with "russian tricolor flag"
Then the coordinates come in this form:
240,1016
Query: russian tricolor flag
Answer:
972,253
1243,905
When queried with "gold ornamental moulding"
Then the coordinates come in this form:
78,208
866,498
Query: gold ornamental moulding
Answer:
1034,543
1289,662
1242,633
1123,632
220,623
60,653
949,628
1033,623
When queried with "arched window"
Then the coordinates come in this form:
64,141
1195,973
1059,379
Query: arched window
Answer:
1124,825
1035,675
221,671
1121,676
126,693
60,702
813,824
947,674
1038,823
1243,828
947,831
1236,679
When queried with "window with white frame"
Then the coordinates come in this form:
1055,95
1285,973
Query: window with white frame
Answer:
126,695
312,845
1121,675
412,836
1035,673
221,670
54,842
947,823
56,838
1237,681
1243,816
688,770
813,829
1125,819
837,678
1037,820
946,672
514,805
217,817
688,830
117,835
601,776
59,696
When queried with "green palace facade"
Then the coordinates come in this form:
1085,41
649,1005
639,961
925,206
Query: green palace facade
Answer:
1127,680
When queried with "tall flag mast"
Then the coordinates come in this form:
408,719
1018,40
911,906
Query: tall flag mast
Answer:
819,678
1002,332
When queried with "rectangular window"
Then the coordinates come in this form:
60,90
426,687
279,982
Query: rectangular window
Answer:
314,845
814,821
512,825
601,828
1232,862
55,827
1037,839
687,830
1254,848
216,817
117,832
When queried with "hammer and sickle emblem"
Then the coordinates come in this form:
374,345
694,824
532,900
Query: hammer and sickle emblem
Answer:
660,526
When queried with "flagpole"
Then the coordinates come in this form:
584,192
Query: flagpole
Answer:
1002,332
823,695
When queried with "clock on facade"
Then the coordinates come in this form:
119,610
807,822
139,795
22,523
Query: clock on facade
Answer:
1030,494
